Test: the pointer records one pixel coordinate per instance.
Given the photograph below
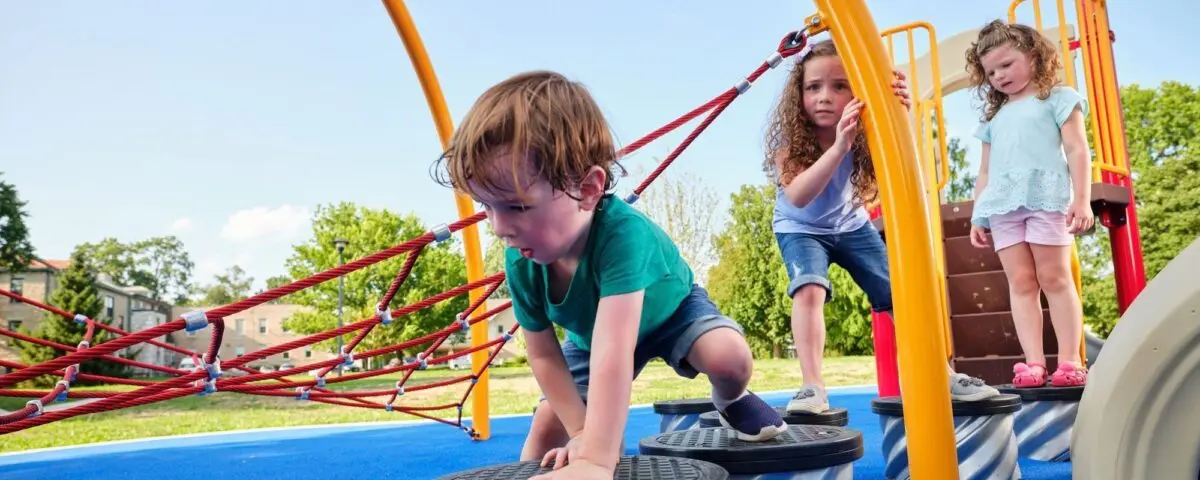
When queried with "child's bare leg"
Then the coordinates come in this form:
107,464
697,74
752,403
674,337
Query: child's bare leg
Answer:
546,433
808,331
1053,265
722,355
1024,300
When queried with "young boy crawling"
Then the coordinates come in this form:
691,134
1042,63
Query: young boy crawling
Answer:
537,153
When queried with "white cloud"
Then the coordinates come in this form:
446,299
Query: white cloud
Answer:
183,224
261,223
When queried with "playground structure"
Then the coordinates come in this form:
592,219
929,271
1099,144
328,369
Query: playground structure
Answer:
1151,439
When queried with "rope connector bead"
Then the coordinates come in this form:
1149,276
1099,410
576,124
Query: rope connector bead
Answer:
632,198
384,315
321,381
195,319
83,344
399,393
507,336
441,232
213,369
347,356
37,404
742,86
301,393
463,323
774,59
81,318
424,363
66,387
210,387
74,372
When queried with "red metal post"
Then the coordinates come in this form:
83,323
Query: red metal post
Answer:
883,334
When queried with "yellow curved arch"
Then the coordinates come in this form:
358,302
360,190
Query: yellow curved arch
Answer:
445,128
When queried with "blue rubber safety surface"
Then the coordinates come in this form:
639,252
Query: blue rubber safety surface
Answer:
408,450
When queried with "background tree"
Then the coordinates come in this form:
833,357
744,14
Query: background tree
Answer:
493,259
684,206
16,251
749,283
1164,153
76,293
961,186
160,264
439,268
228,287
275,282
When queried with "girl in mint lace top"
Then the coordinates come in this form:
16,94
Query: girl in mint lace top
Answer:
1033,191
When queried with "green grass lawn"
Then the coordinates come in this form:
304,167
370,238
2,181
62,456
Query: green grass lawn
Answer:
513,390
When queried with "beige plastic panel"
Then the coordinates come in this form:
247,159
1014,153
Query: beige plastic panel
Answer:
1140,413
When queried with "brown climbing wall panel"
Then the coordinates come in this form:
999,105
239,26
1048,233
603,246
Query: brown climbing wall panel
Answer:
981,326
982,334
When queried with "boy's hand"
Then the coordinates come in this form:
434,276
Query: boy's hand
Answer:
579,469
900,87
562,456
978,237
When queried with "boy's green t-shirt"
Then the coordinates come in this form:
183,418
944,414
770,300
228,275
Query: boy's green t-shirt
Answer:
625,252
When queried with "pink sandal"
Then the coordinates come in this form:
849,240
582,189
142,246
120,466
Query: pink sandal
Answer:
1030,375
1069,375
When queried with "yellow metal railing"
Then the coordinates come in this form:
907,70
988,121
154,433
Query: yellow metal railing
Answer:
1064,40
445,128
935,162
911,251
925,109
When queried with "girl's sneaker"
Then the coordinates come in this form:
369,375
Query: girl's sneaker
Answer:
1029,375
1069,375
965,388
752,419
810,399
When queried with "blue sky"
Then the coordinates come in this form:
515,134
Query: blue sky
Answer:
227,122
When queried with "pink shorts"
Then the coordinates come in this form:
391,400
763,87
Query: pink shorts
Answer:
1031,226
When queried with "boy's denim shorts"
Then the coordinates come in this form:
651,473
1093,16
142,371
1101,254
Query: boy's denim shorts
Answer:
860,252
672,341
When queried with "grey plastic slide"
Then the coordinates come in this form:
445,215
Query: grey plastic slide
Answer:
1140,413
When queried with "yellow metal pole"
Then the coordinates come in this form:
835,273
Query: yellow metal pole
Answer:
1112,103
927,419
1068,63
923,111
1095,88
445,128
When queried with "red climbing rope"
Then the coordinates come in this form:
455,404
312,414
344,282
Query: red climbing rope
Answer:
207,378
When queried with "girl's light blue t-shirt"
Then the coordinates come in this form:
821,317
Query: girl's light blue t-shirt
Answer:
1027,166
832,211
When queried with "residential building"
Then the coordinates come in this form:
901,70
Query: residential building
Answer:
132,309
252,330
127,308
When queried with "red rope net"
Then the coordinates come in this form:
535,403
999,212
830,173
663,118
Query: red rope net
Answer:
207,378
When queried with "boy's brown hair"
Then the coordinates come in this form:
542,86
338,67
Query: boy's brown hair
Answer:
1023,38
555,121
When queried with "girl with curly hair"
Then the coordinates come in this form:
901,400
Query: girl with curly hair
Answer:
1033,190
818,158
